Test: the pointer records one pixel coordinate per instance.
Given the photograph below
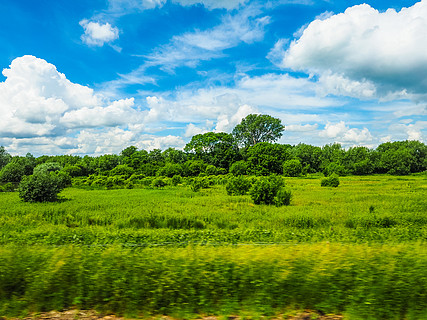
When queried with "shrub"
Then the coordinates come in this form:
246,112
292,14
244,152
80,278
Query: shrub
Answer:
7,187
176,179
158,183
336,168
200,182
211,170
239,168
265,189
41,187
12,172
292,168
47,167
239,185
283,197
122,170
331,181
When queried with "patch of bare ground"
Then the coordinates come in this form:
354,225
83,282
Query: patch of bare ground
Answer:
93,315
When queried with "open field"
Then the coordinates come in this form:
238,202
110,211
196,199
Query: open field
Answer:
362,209
357,250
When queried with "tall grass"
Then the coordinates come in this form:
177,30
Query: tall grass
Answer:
362,281
377,208
358,249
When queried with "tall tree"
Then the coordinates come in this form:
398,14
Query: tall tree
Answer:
257,128
215,148
5,157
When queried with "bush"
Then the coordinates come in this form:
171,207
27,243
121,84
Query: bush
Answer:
292,168
176,180
47,167
12,172
7,187
239,168
211,170
158,183
41,187
283,197
265,189
238,186
336,168
331,181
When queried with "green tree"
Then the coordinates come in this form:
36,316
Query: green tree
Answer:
309,156
267,158
43,186
5,157
256,128
292,168
215,148
17,168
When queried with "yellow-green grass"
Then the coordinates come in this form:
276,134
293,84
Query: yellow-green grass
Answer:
358,280
361,209
359,250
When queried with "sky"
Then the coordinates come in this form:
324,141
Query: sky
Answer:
94,77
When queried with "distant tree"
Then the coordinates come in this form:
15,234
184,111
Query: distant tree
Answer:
256,128
309,156
174,156
292,168
331,153
47,167
129,151
215,148
266,158
239,168
17,168
5,157
358,160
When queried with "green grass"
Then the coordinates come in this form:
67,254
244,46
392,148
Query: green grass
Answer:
359,250
361,209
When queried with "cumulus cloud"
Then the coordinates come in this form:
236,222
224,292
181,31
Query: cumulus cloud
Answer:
340,132
96,34
364,52
38,104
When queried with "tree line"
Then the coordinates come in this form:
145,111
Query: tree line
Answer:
249,150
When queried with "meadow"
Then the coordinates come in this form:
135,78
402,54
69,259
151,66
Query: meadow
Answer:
357,250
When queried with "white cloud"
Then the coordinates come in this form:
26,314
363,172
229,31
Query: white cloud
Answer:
124,6
39,105
226,123
342,133
363,49
97,34
213,4
153,142
301,128
339,85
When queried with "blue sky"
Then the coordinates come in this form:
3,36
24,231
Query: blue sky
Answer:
93,77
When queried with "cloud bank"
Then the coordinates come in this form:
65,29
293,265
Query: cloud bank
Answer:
365,53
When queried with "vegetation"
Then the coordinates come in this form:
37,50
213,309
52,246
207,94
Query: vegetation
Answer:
167,250
234,224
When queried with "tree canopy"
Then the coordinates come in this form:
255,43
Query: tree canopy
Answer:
257,128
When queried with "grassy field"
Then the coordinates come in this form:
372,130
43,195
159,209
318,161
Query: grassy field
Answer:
358,249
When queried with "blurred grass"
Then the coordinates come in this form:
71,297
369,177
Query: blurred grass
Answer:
358,250
359,280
